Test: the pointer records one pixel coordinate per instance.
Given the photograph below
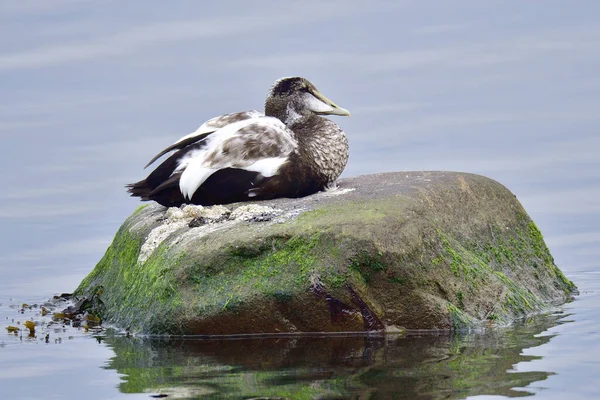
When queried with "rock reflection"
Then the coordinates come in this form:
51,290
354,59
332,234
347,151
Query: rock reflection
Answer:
410,367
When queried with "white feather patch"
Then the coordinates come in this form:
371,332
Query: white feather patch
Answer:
198,165
217,122
191,179
213,141
267,167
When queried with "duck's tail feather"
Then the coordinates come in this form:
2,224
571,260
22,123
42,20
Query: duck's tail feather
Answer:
167,194
140,189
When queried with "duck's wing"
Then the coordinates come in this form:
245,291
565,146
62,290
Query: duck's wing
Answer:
260,145
206,129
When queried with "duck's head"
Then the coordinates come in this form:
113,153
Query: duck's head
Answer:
295,99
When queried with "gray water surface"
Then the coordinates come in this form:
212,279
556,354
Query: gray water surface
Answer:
90,91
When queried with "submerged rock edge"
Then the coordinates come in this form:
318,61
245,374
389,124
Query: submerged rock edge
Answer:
422,250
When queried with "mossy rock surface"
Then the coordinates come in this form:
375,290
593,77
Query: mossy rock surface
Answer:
413,250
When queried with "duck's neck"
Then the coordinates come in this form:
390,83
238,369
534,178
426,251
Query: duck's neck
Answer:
323,146
286,112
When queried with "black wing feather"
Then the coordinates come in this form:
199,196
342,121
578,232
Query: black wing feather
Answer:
179,145
160,184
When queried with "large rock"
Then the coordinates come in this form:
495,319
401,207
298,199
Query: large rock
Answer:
414,250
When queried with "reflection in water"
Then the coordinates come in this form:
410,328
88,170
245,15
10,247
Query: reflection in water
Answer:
411,367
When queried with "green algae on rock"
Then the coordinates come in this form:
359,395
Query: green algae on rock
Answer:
419,250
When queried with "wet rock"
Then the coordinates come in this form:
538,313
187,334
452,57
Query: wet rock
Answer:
61,297
196,222
174,214
197,216
78,308
254,213
381,253
396,330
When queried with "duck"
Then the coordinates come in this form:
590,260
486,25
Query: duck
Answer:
291,150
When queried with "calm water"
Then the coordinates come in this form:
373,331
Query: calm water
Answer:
551,356
90,91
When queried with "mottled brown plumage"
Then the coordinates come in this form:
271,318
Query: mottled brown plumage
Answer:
290,151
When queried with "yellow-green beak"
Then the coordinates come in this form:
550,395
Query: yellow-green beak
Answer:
333,108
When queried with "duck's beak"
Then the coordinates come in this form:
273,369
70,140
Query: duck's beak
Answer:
328,107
